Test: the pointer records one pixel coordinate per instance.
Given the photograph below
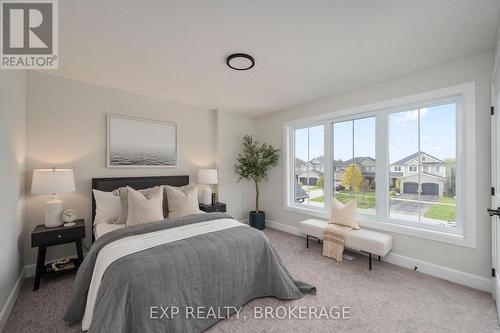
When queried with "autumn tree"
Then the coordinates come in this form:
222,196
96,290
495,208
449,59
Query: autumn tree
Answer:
321,182
352,178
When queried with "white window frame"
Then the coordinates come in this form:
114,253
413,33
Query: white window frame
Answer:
464,95
412,168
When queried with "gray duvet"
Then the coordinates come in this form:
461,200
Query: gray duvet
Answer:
163,289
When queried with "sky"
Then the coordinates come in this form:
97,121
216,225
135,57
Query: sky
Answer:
437,135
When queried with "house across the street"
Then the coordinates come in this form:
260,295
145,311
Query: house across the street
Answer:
432,176
435,176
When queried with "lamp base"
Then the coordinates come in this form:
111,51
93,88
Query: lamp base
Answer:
207,196
53,212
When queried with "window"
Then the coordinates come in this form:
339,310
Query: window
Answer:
353,157
424,134
308,160
402,161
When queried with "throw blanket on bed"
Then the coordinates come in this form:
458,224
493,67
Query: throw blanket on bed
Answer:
219,270
333,243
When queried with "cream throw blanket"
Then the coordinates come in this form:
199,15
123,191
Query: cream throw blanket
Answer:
333,241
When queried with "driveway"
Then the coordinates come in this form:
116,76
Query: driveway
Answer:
403,203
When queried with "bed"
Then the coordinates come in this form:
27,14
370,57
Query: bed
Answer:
208,262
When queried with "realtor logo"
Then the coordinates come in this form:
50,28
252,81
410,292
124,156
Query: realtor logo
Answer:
29,35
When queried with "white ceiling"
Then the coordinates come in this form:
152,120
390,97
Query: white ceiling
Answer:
304,50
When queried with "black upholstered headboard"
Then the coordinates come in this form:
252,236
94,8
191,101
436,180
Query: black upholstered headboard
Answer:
138,183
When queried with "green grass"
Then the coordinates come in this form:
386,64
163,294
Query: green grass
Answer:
345,197
311,188
447,200
442,212
318,199
444,209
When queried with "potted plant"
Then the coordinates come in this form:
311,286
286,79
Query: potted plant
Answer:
254,164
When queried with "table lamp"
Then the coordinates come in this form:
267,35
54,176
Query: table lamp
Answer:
207,177
53,181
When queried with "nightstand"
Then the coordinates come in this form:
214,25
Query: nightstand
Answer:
218,207
42,237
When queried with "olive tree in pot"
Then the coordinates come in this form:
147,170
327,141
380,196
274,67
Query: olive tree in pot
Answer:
254,164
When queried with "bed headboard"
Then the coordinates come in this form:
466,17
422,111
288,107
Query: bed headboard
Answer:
138,183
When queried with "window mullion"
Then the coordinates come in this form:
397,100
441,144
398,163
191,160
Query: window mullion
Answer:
328,167
419,167
382,165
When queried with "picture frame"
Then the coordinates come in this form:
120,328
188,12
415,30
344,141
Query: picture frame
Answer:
134,142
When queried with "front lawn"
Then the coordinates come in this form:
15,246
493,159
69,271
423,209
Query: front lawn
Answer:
311,188
444,210
345,197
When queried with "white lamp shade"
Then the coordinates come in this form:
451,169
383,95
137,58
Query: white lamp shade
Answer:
207,176
52,181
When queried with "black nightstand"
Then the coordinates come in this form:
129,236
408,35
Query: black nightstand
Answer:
218,207
43,237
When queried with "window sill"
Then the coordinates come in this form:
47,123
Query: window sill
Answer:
372,222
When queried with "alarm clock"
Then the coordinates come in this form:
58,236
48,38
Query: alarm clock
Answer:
69,216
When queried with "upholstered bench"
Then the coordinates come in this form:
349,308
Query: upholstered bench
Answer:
368,241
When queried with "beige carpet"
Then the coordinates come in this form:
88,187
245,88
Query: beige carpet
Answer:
387,299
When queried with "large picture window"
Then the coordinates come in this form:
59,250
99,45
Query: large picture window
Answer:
404,164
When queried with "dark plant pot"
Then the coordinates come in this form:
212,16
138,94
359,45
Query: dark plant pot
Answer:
257,220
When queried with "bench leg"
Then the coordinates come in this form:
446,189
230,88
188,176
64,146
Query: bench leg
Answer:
378,258
307,241
370,261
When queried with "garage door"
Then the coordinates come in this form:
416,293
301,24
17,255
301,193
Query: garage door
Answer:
430,188
410,188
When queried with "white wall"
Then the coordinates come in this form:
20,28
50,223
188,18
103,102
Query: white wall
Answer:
12,155
66,128
239,197
477,68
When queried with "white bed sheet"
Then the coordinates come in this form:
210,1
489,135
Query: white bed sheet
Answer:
103,228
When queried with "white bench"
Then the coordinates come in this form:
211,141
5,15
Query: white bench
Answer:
363,240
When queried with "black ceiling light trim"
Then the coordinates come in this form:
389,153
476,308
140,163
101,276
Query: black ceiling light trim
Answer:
240,55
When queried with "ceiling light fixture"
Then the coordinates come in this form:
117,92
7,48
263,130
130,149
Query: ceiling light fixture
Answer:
240,61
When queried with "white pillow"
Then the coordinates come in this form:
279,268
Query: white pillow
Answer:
108,207
344,214
144,208
182,200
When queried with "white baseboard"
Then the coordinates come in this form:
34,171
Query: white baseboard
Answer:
9,305
449,274
283,227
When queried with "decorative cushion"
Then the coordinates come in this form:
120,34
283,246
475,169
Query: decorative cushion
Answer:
344,214
122,192
108,207
182,200
144,208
